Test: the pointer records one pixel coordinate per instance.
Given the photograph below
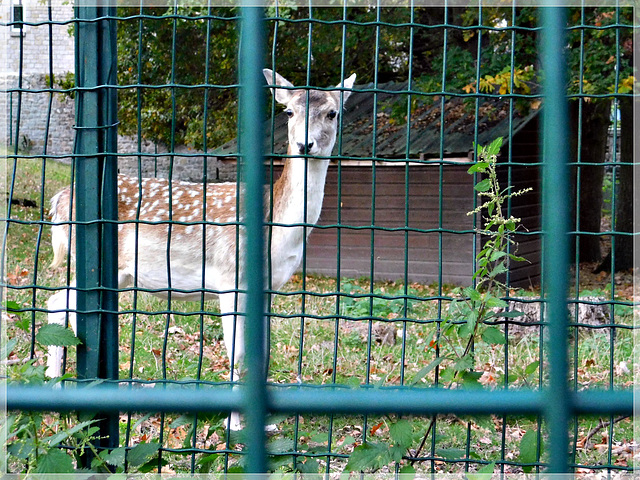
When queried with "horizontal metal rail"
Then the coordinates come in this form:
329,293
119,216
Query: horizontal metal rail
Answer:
320,399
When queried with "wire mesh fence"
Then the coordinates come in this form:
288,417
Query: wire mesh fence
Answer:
428,263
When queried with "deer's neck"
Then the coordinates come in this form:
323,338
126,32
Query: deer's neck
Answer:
298,195
293,203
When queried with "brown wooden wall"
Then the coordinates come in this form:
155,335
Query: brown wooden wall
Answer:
525,174
432,256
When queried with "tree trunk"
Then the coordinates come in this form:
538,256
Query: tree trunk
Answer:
595,121
623,244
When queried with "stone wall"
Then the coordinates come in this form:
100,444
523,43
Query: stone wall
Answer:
42,122
184,164
36,39
34,117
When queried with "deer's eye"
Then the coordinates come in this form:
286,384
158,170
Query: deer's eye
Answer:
332,114
289,112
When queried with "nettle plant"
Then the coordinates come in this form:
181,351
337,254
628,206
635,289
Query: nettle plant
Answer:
470,318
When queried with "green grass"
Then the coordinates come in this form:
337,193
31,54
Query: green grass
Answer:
317,337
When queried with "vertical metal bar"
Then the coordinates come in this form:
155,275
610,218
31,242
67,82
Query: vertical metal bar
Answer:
96,199
555,214
251,143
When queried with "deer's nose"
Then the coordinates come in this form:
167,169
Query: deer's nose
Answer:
302,149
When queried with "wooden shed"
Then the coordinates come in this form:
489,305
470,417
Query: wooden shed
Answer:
396,203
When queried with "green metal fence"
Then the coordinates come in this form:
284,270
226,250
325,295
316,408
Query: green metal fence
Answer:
553,393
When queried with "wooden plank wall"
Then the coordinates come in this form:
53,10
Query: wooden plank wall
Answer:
525,173
432,256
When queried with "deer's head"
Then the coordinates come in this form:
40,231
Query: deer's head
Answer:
313,114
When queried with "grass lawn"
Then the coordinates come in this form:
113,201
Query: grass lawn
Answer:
385,334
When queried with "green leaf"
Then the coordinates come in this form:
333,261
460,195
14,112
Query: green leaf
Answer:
114,457
471,379
464,363
495,146
348,440
466,329
401,433
498,269
310,466
181,421
529,449
532,367
483,185
54,461
188,438
369,456
484,473
23,324
497,255
407,472
473,294
517,258
494,302
280,445
450,453
480,167
493,336
447,375
12,306
425,370
54,440
58,335
142,453
8,347
205,462
396,452
151,465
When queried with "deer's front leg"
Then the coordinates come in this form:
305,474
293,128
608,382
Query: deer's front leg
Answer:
233,329
61,306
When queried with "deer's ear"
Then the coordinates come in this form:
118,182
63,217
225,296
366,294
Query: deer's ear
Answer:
348,83
281,95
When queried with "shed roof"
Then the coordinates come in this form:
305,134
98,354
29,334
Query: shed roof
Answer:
391,99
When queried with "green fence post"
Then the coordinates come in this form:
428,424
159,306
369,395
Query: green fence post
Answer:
555,214
96,199
251,144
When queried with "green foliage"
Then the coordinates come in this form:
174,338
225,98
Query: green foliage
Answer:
600,56
359,303
36,442
175,51
467,321
191,52
375,455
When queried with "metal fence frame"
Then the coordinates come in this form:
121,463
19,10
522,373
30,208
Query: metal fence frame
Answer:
97,293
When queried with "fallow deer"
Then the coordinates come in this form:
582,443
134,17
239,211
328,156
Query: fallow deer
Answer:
142,247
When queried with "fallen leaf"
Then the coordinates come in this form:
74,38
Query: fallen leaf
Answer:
375,428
